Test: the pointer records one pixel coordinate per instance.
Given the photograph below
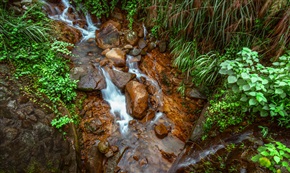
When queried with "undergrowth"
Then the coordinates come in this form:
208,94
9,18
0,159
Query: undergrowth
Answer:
27,44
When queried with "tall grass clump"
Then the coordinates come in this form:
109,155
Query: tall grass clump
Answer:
220,25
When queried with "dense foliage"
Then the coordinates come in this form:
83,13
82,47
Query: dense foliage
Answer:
104,8
26,42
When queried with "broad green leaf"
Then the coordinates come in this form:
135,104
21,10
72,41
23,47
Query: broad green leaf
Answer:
241,82
277,159
285,164
223,71
246,87
260,97
256,158
244,98
264,161
232,79
252,102
245,76
235,89
254,79
264,113
253,93
265,153
265,81
279,91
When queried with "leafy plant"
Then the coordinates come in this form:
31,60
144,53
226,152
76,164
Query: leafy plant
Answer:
29,46
60,122
261,89
273,156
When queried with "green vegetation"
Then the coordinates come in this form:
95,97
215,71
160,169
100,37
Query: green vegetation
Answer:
104,8
273,156
27,44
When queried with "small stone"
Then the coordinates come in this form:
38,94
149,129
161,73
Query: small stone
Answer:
135,157
32,118
135,52
143,162
131,37
161,131
151,46
128,46
12,104
142,43
115,148
109,154
11,133
103,146
143,52
23,99
162,46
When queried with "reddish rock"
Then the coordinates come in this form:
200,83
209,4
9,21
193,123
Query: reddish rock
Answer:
117,56
111,22
67,33
137,99
108,36
120,78
161,131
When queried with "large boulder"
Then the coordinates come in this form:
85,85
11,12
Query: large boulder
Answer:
90,78
137,99
117,56
120,78
67,33
108,35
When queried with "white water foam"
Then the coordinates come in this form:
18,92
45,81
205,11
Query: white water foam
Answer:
117,102
87,32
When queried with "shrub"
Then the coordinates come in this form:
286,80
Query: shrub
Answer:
263,90
273,156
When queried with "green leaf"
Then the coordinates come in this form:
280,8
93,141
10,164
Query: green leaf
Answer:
256,158
232,79
264,113
246,87
244,98
252,102
285,164
279,91
265,153
264,161
277,159
260,97
245,76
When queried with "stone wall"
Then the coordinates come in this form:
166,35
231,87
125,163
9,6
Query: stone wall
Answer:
28,143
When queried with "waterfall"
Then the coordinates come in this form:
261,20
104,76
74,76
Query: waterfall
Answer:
117,102
87,32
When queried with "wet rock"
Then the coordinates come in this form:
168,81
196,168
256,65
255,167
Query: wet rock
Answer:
161,131
90,78
68,33
111,22
151,46
135,52
10,133
117,56
94,161
162,46
194,93
137,99
105,51
108,36
128,46
142,43
115,148
143,52
131,37
117,15
109,153
103,146
119,78
136,59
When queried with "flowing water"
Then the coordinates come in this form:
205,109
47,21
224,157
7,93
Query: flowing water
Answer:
88,31
141,150
117,102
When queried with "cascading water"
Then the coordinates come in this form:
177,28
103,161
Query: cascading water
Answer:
117,103
56,14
